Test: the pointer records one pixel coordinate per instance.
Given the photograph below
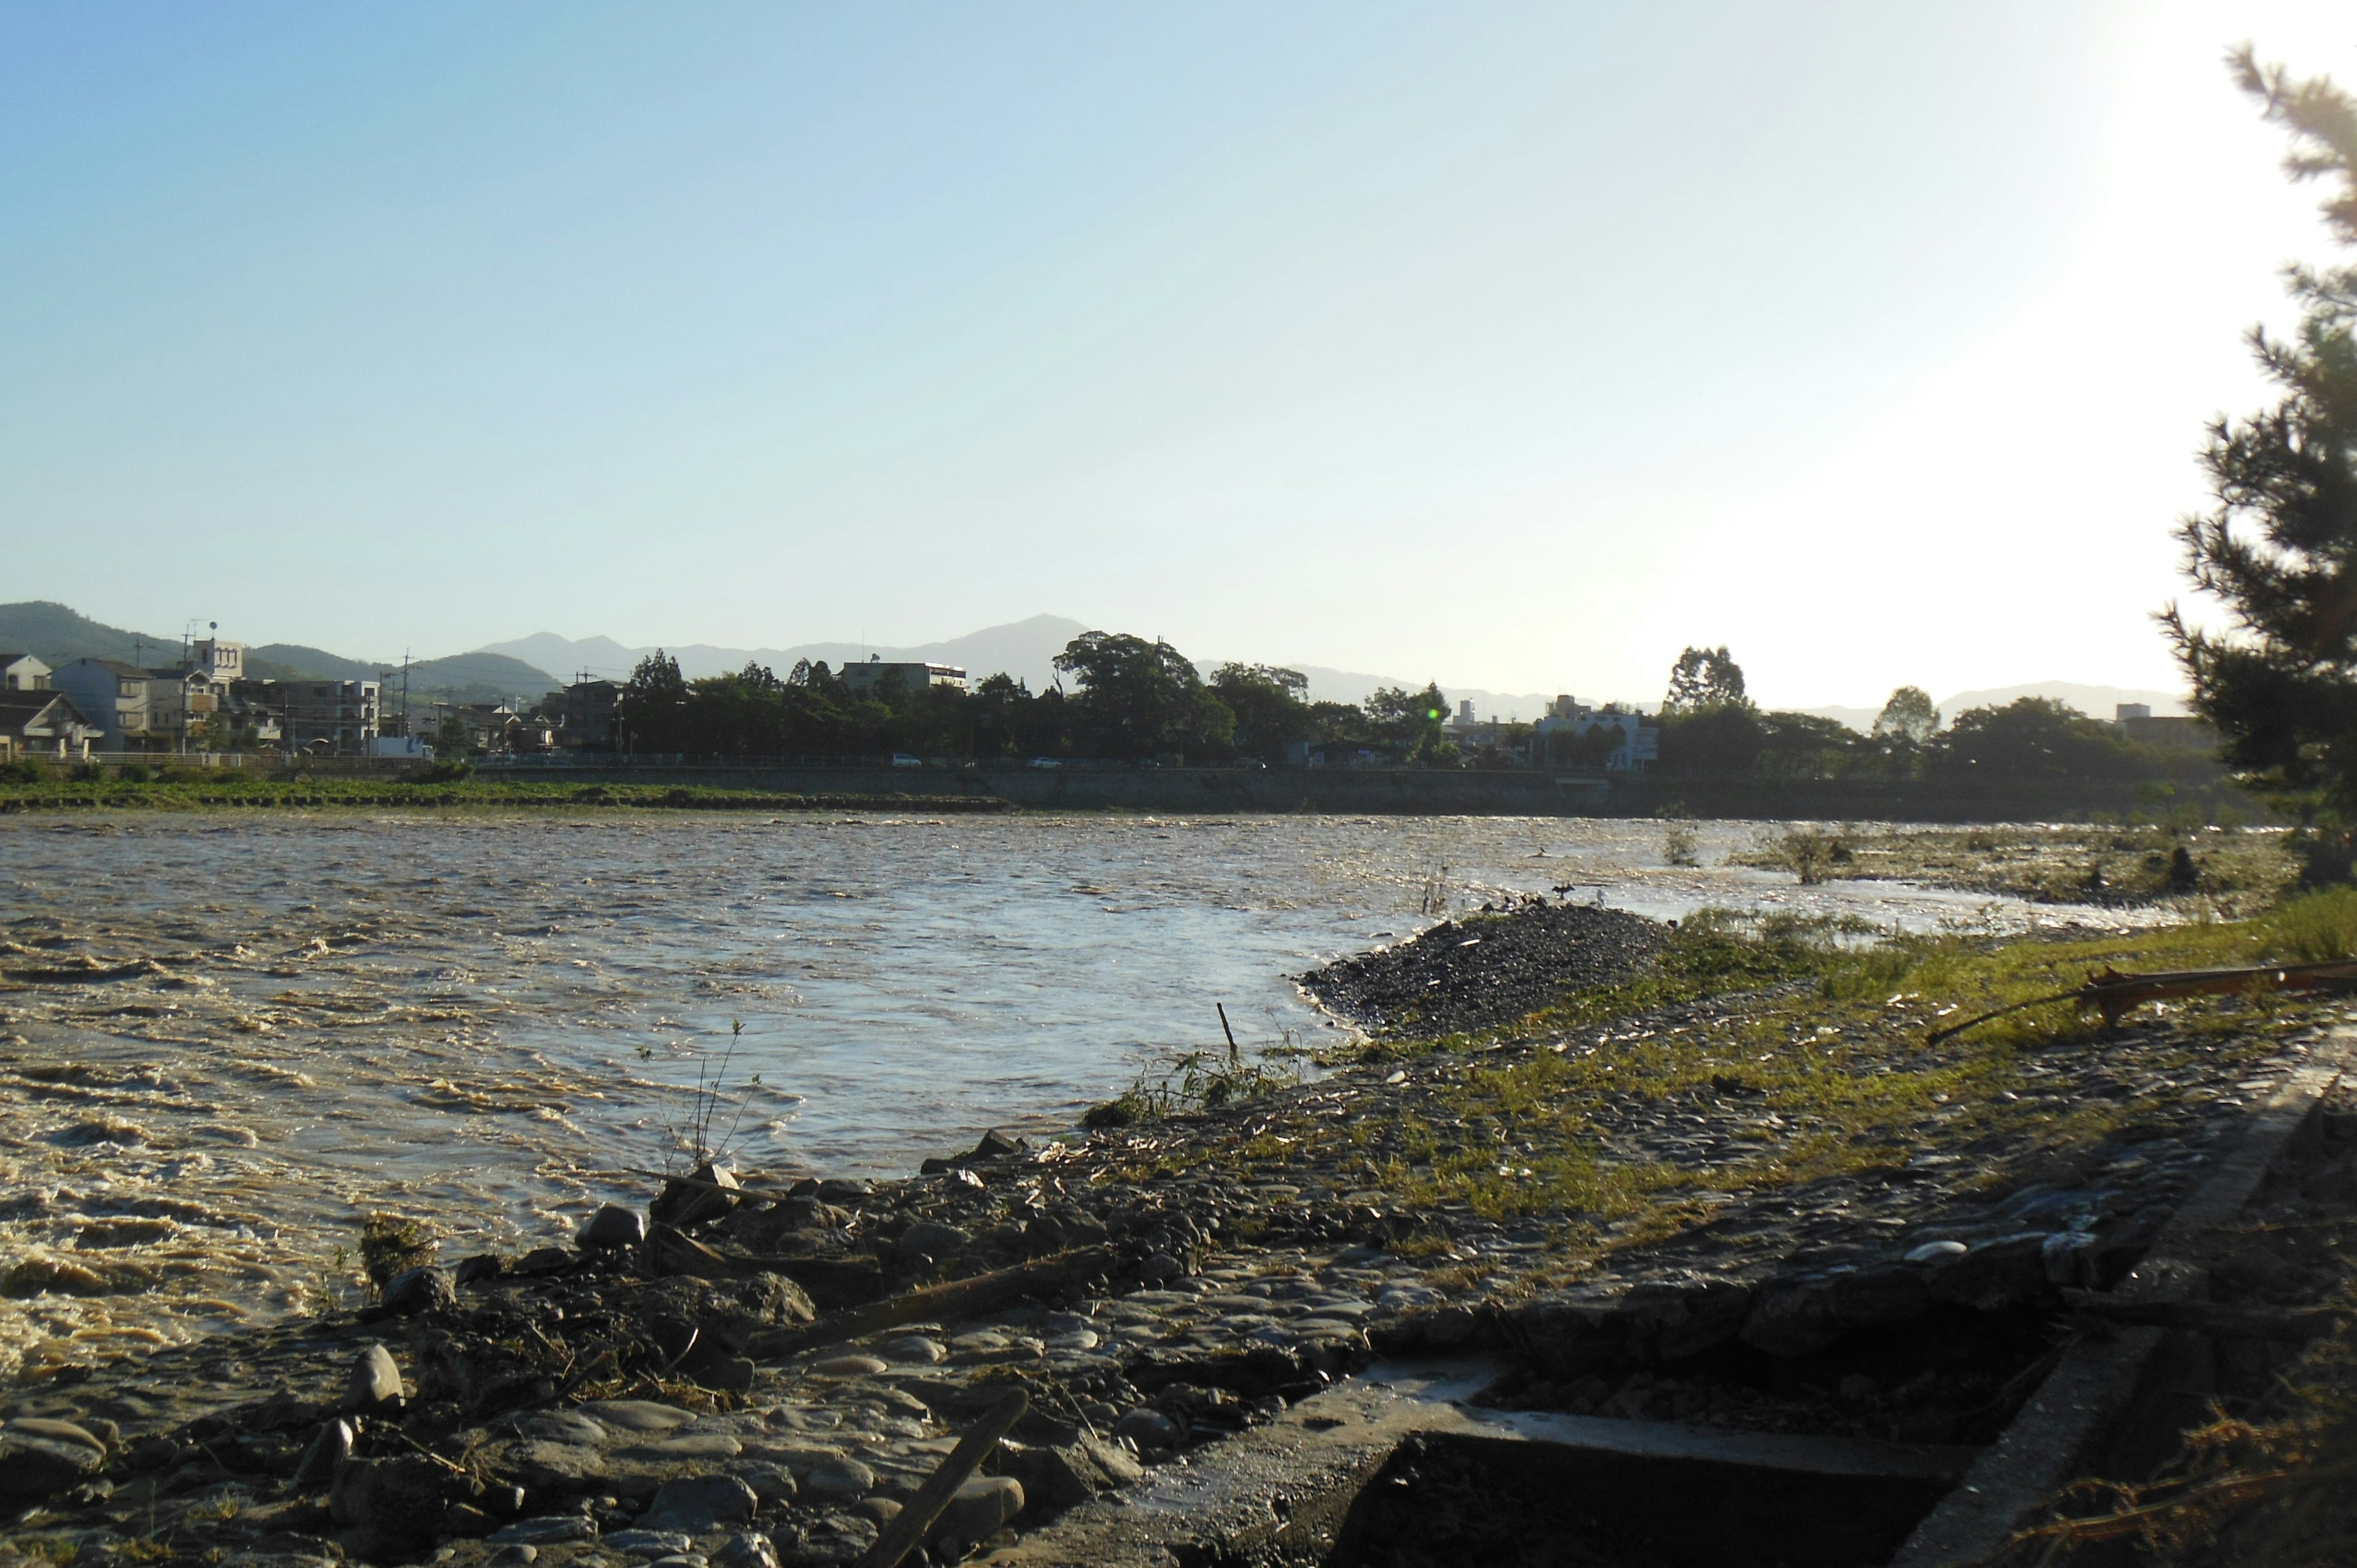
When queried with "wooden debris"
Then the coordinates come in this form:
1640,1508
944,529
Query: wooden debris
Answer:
959,1299
2111,994
918,1515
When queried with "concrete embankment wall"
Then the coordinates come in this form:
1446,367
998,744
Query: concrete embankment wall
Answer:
1384,790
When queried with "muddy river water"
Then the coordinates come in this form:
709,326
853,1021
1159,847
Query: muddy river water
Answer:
224,1037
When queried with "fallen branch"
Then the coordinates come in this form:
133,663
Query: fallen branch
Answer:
919,1513
2111,994
959,1299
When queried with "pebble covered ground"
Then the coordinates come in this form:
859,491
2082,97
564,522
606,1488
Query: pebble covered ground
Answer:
1698,1212
1439,984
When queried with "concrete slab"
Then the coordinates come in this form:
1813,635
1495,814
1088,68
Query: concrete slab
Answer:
1280,1493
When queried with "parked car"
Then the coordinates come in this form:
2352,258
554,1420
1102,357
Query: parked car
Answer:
1044,762
902,759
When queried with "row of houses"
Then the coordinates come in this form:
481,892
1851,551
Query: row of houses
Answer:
205,703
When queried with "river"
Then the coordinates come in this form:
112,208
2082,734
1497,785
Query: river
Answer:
224,1037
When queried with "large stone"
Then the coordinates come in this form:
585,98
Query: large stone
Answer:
650,1543
327,1450
834,1539
839,1481
413,1291
710,1192
375,1381
614,1225
931,1239
638,1415
748,1549
982,1507
403,1497
1066,1476
773,1484
1149,1429
40,1459
698,1503
546,1530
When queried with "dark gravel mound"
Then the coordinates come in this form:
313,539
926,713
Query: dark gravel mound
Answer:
1470,975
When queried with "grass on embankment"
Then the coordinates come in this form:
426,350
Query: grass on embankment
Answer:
1793,1040
236,794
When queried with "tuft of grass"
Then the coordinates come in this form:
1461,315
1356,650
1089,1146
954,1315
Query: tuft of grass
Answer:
2317,927
391,1243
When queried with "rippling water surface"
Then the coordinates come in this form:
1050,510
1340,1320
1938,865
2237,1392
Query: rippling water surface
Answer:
224,1037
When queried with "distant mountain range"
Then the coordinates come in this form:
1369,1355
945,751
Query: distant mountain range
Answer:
58,634
524,669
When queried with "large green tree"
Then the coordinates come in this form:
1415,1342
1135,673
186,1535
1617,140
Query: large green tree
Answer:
2279,548
1705,678
1138,698
1269,703
1412,720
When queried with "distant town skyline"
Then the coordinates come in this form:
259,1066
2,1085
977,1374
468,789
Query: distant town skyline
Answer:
1872,342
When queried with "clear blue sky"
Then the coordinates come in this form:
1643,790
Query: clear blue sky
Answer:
1513,345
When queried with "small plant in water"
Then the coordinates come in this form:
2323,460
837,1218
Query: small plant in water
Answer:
1678,847
692,1135
391,1243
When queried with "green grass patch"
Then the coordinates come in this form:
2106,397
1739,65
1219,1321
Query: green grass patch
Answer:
1802,1046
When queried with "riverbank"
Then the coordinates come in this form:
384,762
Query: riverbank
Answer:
1734,1187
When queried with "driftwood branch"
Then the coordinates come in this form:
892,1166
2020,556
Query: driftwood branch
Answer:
919,1513
959,1299
2111,994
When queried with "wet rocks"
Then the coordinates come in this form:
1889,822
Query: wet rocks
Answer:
40,1457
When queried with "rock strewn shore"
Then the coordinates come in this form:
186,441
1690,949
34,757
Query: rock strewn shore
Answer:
734,1376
